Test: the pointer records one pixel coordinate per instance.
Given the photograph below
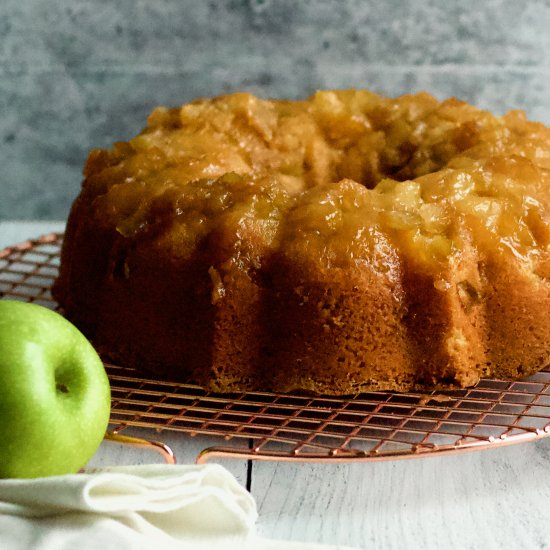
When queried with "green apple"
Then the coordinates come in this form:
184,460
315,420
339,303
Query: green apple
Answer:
54,393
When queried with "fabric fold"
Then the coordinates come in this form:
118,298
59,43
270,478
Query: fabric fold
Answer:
133,507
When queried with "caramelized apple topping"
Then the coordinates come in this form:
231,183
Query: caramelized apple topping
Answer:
352,171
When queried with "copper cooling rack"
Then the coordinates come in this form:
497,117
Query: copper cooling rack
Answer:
269,426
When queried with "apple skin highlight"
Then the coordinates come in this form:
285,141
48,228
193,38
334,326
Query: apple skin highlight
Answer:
55,396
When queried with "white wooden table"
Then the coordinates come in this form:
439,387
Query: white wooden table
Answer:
498,498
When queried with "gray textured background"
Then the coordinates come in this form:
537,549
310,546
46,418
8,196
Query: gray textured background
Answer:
81,74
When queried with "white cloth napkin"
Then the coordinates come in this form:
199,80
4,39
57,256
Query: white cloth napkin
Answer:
132,507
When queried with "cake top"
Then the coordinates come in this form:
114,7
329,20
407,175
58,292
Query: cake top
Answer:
342,177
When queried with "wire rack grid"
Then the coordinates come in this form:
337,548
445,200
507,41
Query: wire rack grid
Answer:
270,426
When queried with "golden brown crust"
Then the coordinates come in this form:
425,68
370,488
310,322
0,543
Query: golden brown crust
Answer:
340,244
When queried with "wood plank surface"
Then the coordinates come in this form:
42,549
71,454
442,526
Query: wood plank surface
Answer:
493,499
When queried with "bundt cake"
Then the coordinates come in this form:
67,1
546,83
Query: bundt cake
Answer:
344,243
